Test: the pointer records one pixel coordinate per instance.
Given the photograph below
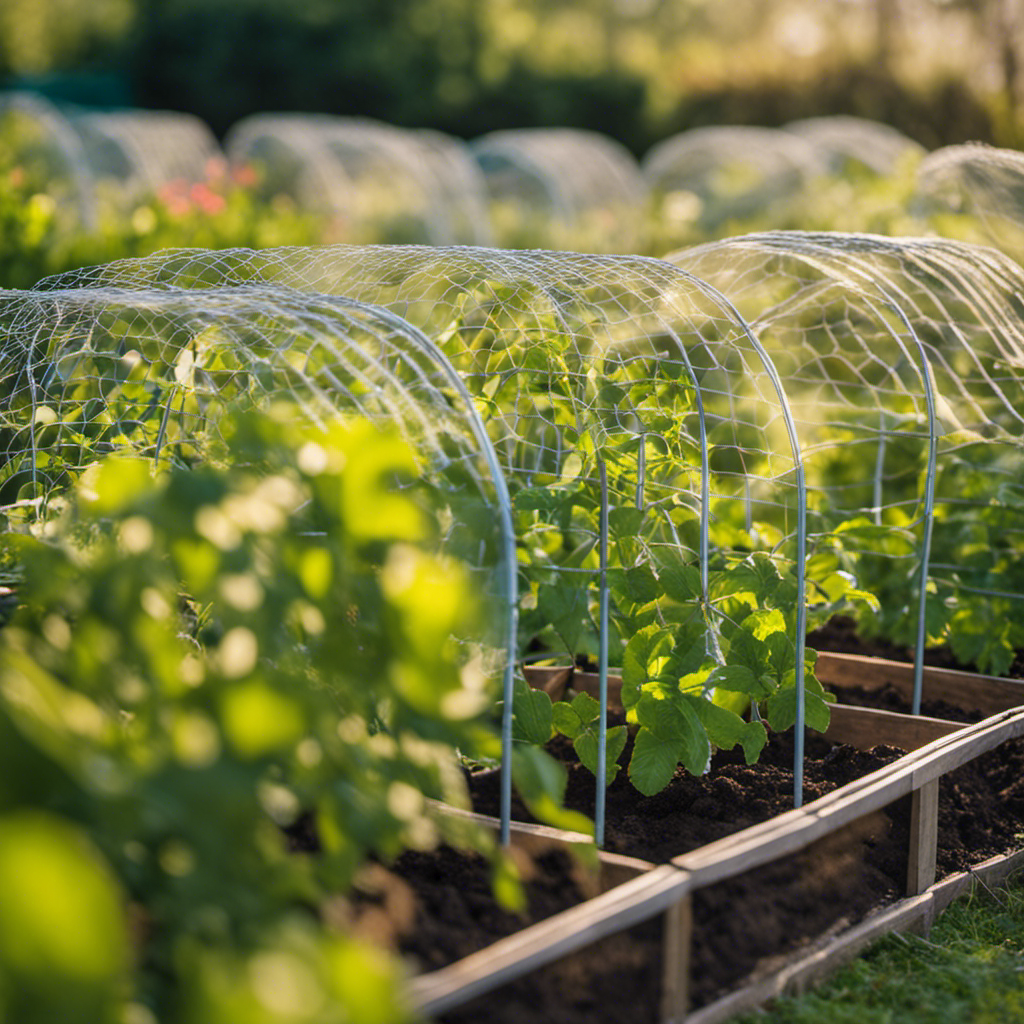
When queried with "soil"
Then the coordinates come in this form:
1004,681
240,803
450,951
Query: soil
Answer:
743,926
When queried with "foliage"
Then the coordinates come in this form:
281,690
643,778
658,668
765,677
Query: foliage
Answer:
40,234
197,661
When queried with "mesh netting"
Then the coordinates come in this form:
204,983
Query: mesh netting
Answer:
710,176
382,183
630,407
142,150
89,372
981,189
911,350
562,188
844,140
45,149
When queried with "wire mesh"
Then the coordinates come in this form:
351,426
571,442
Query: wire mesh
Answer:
48,152
139,151
629,404
710,176
980,191
904,363
562,188
380,182
846,140
152,373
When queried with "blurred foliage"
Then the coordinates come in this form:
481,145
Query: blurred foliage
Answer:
941,71
40,233
199,660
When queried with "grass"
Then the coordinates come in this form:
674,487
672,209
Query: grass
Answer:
969,969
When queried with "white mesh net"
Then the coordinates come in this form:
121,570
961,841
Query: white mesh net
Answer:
846,140
381,183
41,143
710,176
562,188
914,350
980,190
138,151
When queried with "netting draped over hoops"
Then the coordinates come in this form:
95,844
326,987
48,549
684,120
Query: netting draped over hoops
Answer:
46,148
142,150
982,187
561,188
729,172
844,139
93,371
383,183
913,348
627,401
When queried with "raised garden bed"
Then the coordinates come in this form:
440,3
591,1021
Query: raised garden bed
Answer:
701,936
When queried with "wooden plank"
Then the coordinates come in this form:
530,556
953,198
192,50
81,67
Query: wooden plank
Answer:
805,969
924,836
534,839
967,690
572,929
553,680
866,727
590,682
675,969
660,888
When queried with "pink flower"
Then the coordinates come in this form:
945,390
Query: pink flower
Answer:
244,175
206,199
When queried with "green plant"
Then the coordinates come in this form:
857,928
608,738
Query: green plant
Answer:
198,659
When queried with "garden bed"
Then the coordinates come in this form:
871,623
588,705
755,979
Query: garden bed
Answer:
734,905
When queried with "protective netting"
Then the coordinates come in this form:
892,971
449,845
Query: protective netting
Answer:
87,372
379,182
630,407
43,148
562,188
707,177
846,140
903,360
978,193
139,151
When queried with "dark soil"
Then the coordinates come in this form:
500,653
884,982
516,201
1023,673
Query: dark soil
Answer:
888,698
742,926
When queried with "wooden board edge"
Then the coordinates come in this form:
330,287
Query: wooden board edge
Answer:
967,690
807,969
503,961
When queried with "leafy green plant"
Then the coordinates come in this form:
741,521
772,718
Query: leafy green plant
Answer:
197,661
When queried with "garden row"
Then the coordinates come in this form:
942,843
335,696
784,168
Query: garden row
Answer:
365,181
672,468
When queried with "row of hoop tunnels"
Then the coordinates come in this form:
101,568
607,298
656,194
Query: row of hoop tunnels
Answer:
841,414
560,188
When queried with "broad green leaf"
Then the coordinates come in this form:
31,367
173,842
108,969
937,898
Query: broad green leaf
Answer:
653,762
586,747
739,679
532,714
726,729
680,582
645,657
586,707
636,586
565,720
782,710
764,623
673,718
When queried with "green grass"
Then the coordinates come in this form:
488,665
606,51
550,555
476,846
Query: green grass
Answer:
969,969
